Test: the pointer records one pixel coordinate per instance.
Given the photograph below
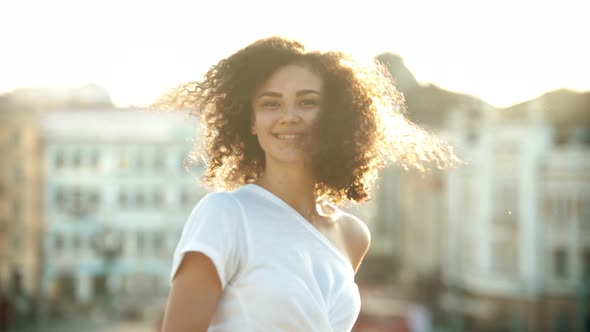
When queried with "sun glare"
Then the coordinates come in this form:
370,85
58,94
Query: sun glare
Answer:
503,52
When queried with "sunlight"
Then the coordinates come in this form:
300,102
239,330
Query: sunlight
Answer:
503,52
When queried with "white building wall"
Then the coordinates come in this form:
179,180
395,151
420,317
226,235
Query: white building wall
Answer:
107,137
521,156
565,195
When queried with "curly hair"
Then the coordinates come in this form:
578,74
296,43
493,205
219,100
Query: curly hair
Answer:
362,126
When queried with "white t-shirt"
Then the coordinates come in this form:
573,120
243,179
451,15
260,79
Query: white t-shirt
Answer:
277,271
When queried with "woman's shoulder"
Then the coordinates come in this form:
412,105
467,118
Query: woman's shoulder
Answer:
354,229
218,200
355,234
220,204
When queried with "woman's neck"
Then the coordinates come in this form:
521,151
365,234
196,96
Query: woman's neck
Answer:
295,186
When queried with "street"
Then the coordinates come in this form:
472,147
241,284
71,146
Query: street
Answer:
91,326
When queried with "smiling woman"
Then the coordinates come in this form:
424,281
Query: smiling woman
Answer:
361,129
288,134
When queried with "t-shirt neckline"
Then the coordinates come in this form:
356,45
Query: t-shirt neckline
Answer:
304,222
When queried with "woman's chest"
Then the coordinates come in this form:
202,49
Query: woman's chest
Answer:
291,287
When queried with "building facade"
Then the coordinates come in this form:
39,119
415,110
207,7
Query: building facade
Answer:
517,233
116,193
21,223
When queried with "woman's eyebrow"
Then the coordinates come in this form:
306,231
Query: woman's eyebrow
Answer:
270,94
278,94
306,92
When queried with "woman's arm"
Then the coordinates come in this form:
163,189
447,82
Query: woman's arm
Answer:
194,295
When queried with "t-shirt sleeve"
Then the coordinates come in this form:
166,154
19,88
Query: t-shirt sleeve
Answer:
214,228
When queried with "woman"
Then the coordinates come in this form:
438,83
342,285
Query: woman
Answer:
289,134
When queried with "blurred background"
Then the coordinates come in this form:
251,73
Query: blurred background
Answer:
95,187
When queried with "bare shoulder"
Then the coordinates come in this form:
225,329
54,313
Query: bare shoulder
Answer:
356,235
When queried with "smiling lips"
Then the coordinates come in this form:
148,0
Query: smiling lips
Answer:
290,136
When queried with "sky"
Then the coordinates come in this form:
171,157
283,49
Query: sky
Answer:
504,52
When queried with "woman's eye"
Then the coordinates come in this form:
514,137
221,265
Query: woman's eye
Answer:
270,104
309,103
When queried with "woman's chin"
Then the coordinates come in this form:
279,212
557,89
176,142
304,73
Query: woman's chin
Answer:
294,159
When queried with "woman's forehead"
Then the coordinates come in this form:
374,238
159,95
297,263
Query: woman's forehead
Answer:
292,78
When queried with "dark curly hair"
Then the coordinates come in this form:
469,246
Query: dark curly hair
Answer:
361,128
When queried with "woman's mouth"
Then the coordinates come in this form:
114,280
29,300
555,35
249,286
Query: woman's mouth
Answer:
288,136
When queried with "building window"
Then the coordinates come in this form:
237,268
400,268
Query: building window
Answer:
94,199
472,134
586,263
560,263
59,160
159,242
76,159
60,199
16,210
158,199
17,175
76,242
16,241
77,204
58,243
558,209
123,199
505,256
140,199
584,213
125,284
506,205
159,161
94,160
185,197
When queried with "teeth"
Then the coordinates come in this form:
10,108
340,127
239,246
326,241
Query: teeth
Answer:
288,136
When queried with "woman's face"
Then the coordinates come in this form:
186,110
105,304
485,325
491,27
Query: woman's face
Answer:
285,108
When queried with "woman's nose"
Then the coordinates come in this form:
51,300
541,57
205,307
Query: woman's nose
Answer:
290,113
